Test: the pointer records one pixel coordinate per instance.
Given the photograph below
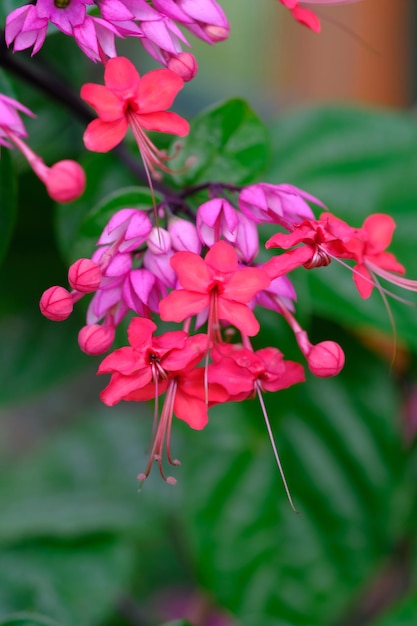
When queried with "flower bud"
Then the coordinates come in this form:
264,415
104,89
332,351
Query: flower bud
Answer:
84,275
184,236
96,339
326,359
159,241
65,181
184,64
56,304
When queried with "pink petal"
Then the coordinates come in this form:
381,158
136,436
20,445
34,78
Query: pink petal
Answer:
124,361
121,386
238,315
222,258
164,122
179,305
121,76
379,228
284,263
245,283
140,332
107,105
192,271
191,410
157,90
363,281
104,136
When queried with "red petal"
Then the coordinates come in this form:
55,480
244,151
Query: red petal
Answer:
164,122
222,257
245,283
191,270
121,76
307,18
379,228
140,332
123,361
103,136
108,106
179,305
121,386
288,261
364,285
238,315
157,90
192,410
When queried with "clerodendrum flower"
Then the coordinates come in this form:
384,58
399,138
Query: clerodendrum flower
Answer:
141,102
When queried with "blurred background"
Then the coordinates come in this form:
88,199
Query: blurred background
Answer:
78,544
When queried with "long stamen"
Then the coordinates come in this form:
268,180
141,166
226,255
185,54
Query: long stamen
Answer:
274,448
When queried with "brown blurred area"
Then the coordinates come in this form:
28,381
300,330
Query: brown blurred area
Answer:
363,55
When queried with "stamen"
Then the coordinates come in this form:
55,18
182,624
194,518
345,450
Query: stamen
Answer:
274,448
320,258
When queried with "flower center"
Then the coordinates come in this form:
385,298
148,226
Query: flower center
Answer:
62,4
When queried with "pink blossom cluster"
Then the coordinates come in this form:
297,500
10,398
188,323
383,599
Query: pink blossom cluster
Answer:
155,24
207,274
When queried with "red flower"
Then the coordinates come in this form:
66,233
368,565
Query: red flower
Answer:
139,102
216,283
374,236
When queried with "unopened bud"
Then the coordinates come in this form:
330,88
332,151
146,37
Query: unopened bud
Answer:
84,275
184,64
95,339
56,304
216,33
326,359
159,241
65,181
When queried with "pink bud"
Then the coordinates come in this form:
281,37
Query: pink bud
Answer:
184,236
326,359
159,241
216,33
96,339
56,304
65,181
84,275
184,64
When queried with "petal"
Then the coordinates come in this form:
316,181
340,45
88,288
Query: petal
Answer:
191,410
363,281
379,228
157,90
107,105
288,261
192,271
140,332
245,283
307,18
124,361
164,122
104,136
179,305
238,315
121,76
222,257
121,386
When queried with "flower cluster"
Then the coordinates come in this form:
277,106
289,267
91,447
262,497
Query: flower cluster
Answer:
154,24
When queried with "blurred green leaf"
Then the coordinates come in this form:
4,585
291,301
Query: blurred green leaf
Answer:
28,619
84,482
345,465
403,614
105,177
8,201
358,162
227,143
74,582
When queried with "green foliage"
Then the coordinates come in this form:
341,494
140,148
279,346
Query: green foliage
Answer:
8,201
227,143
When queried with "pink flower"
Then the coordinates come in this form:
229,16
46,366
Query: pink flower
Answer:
10,122
216,283
139,102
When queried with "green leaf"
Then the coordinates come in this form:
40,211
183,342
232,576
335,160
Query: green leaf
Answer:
403,614
344,462
28,619
227,143
358,162
84,482
105,175
74,582
8,201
